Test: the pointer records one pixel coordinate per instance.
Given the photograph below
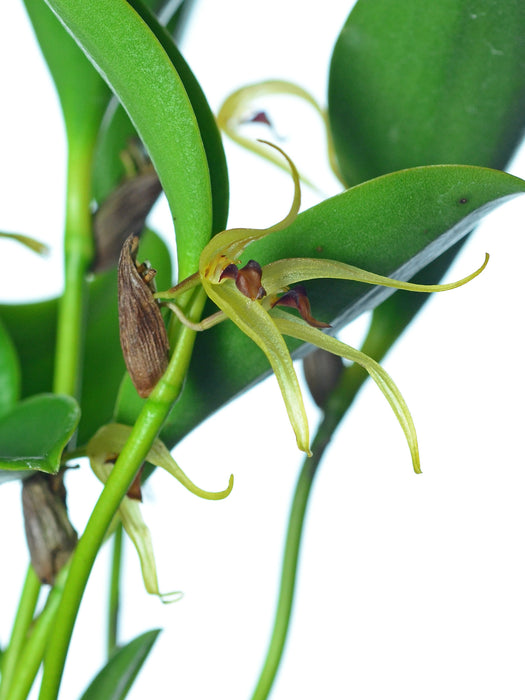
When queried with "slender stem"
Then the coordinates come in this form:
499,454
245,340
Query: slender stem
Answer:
114,592
23,620
335,409
78,252
33,651
379,339
145,430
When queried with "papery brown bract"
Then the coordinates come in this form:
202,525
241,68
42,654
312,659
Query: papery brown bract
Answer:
122,214
143,336
50,536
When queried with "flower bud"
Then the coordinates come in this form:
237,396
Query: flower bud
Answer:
322,370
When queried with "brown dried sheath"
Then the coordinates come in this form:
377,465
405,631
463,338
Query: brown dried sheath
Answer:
122,213
143,336
50,536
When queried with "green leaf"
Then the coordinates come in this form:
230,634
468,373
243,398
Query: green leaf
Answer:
116,678
9,372
121,45
416,83
117,131
412,85
34,433
393,225
82,92
104,366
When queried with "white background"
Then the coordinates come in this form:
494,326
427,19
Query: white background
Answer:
409,586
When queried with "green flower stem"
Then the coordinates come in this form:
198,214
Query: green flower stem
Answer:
114,592
78,251
376,345
292,549
35,647
23,620
145,430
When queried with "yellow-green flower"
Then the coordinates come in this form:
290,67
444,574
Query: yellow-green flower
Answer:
102,450
249,297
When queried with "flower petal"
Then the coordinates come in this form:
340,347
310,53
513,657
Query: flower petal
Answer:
257,324
232,113
281,273
111,438
139,534
296,328
227,246
99,449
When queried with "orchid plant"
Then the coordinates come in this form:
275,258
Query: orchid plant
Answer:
419,124
241,297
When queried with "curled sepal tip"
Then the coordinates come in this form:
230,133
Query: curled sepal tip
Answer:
173,597
111,438
102,449
227,246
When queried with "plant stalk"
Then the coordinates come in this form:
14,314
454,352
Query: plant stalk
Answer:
338,403
22,623
114,592
145,430
78,253
33,651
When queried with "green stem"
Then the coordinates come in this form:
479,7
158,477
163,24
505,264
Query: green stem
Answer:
22,623
145,430
35,647
78,252
335,409
379,339
114,592
290,560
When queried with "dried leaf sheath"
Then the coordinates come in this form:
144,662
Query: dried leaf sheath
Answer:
50,536
143,336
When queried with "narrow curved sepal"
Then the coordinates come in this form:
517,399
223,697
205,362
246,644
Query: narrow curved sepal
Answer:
298,329
27,241
282,273
227,246
102,449
110,440
235,108
257,324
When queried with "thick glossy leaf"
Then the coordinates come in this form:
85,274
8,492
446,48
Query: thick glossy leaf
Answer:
121,45
416,83
9,372
394,225
82,92
34,433
33,329
413,85
118,129
116,678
